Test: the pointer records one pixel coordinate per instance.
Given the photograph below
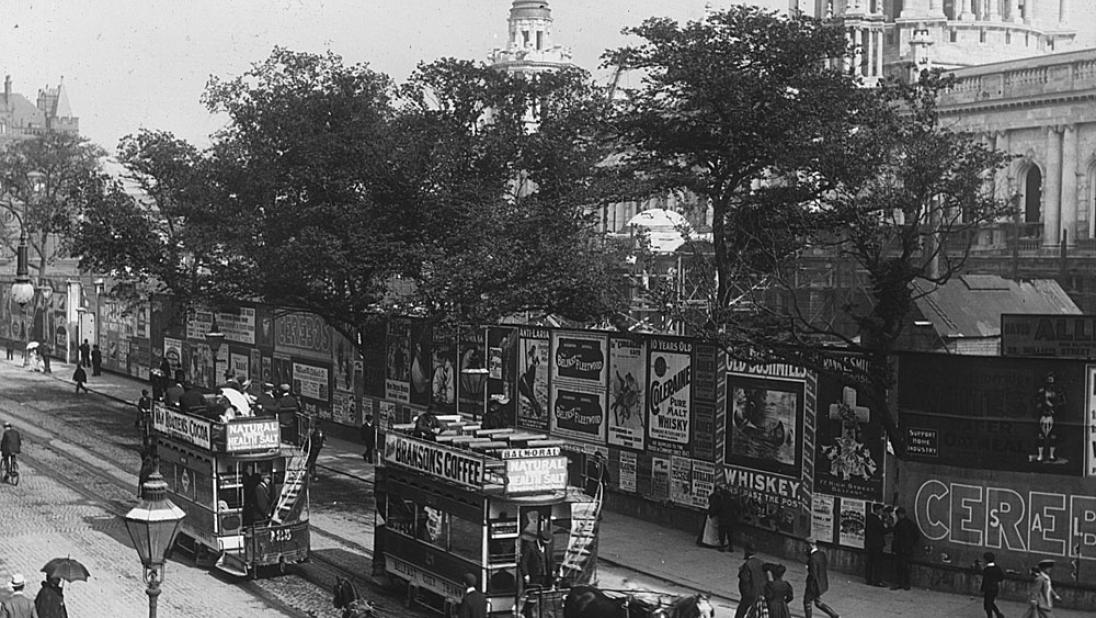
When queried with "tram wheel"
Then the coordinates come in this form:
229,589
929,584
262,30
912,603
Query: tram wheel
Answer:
282,566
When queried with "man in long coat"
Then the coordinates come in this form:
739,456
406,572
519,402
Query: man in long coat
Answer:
751,583
474,604
818,580
906,536
875,538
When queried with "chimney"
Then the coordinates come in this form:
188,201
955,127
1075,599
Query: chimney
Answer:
7,88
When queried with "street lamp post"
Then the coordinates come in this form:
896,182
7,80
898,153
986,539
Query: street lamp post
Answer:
214,338
153,525
22,290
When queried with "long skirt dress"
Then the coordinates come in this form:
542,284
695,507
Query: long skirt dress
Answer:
778,593
709,534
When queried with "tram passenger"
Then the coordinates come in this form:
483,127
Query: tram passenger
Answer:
536,569
265,402
263,500
192,400
173,394
427,425
316,440
250,481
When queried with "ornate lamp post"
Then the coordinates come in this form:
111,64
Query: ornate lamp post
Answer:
214,338
153,525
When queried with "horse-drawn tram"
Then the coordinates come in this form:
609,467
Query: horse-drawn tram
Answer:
244,490
491,508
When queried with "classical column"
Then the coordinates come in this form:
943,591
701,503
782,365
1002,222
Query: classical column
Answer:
1052,177
1014,11
858,51
879,56
994,13
968,11
1029,11
1069,183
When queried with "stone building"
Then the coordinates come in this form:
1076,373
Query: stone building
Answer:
20,119
529,49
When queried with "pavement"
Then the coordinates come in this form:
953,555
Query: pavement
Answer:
666,554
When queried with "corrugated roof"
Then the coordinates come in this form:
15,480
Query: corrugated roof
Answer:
971,305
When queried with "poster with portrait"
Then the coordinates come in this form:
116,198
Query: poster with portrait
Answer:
397,367
850,452
422,362
627,377
851,523
443,376
763,423
532,378
669,393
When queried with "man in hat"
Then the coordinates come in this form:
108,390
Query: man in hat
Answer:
751,583
474,604
265,401
1041,595
535,567
369,438
992,576
11,444
818,580
906,536
875,539
18,605
597,473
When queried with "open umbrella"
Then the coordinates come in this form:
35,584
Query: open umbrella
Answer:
66,569
32,345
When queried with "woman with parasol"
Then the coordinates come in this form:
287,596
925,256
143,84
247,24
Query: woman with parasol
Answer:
50,602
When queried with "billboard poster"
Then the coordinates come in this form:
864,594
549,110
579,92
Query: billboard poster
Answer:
173,352
681,481
374,340
578,412
422,362
443,377
1020,516
471,371
1024,415
239,365
303,335
1048,335
627,473
1090,422
764,420
703,483
397,366
502,351
344,357
533,378
850,450
707,370
311,382
822,517
660,479
768,500
627,375
579,358
851,524
669,392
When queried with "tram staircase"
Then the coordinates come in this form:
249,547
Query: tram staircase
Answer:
296,472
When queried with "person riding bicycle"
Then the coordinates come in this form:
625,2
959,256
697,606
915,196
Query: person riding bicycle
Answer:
11,444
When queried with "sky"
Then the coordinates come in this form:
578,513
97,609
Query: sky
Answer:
128,64
131,64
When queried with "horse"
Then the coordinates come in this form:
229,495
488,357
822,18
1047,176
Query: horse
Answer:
347,599
590,602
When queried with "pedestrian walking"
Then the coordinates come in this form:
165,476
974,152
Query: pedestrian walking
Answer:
80,377
992,576
316,441
369,438
751,585
474,604
50,602
44,351
875,539
597,474
904,545
18,605
1041,595
818,580
96,360
85,354
709,529
11,352
778,593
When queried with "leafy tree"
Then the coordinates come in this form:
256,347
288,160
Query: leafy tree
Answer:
152,230
46,180
357,197
752,112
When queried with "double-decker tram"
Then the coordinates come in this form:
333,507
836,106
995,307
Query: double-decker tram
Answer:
484,503
244,490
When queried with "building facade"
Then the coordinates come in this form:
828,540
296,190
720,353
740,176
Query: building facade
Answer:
21,119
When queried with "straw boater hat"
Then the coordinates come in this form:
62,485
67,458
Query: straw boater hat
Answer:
1046,563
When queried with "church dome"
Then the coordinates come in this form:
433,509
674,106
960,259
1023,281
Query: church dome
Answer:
530,9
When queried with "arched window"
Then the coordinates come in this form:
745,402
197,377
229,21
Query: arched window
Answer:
1033,194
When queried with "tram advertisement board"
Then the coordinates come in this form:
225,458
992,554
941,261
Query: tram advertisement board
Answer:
433,459
186,428
252,434
535,474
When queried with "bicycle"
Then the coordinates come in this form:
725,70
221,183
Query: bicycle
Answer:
11,470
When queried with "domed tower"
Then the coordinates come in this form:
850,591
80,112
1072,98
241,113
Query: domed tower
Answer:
529,49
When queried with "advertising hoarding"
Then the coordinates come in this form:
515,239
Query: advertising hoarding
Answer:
627,376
